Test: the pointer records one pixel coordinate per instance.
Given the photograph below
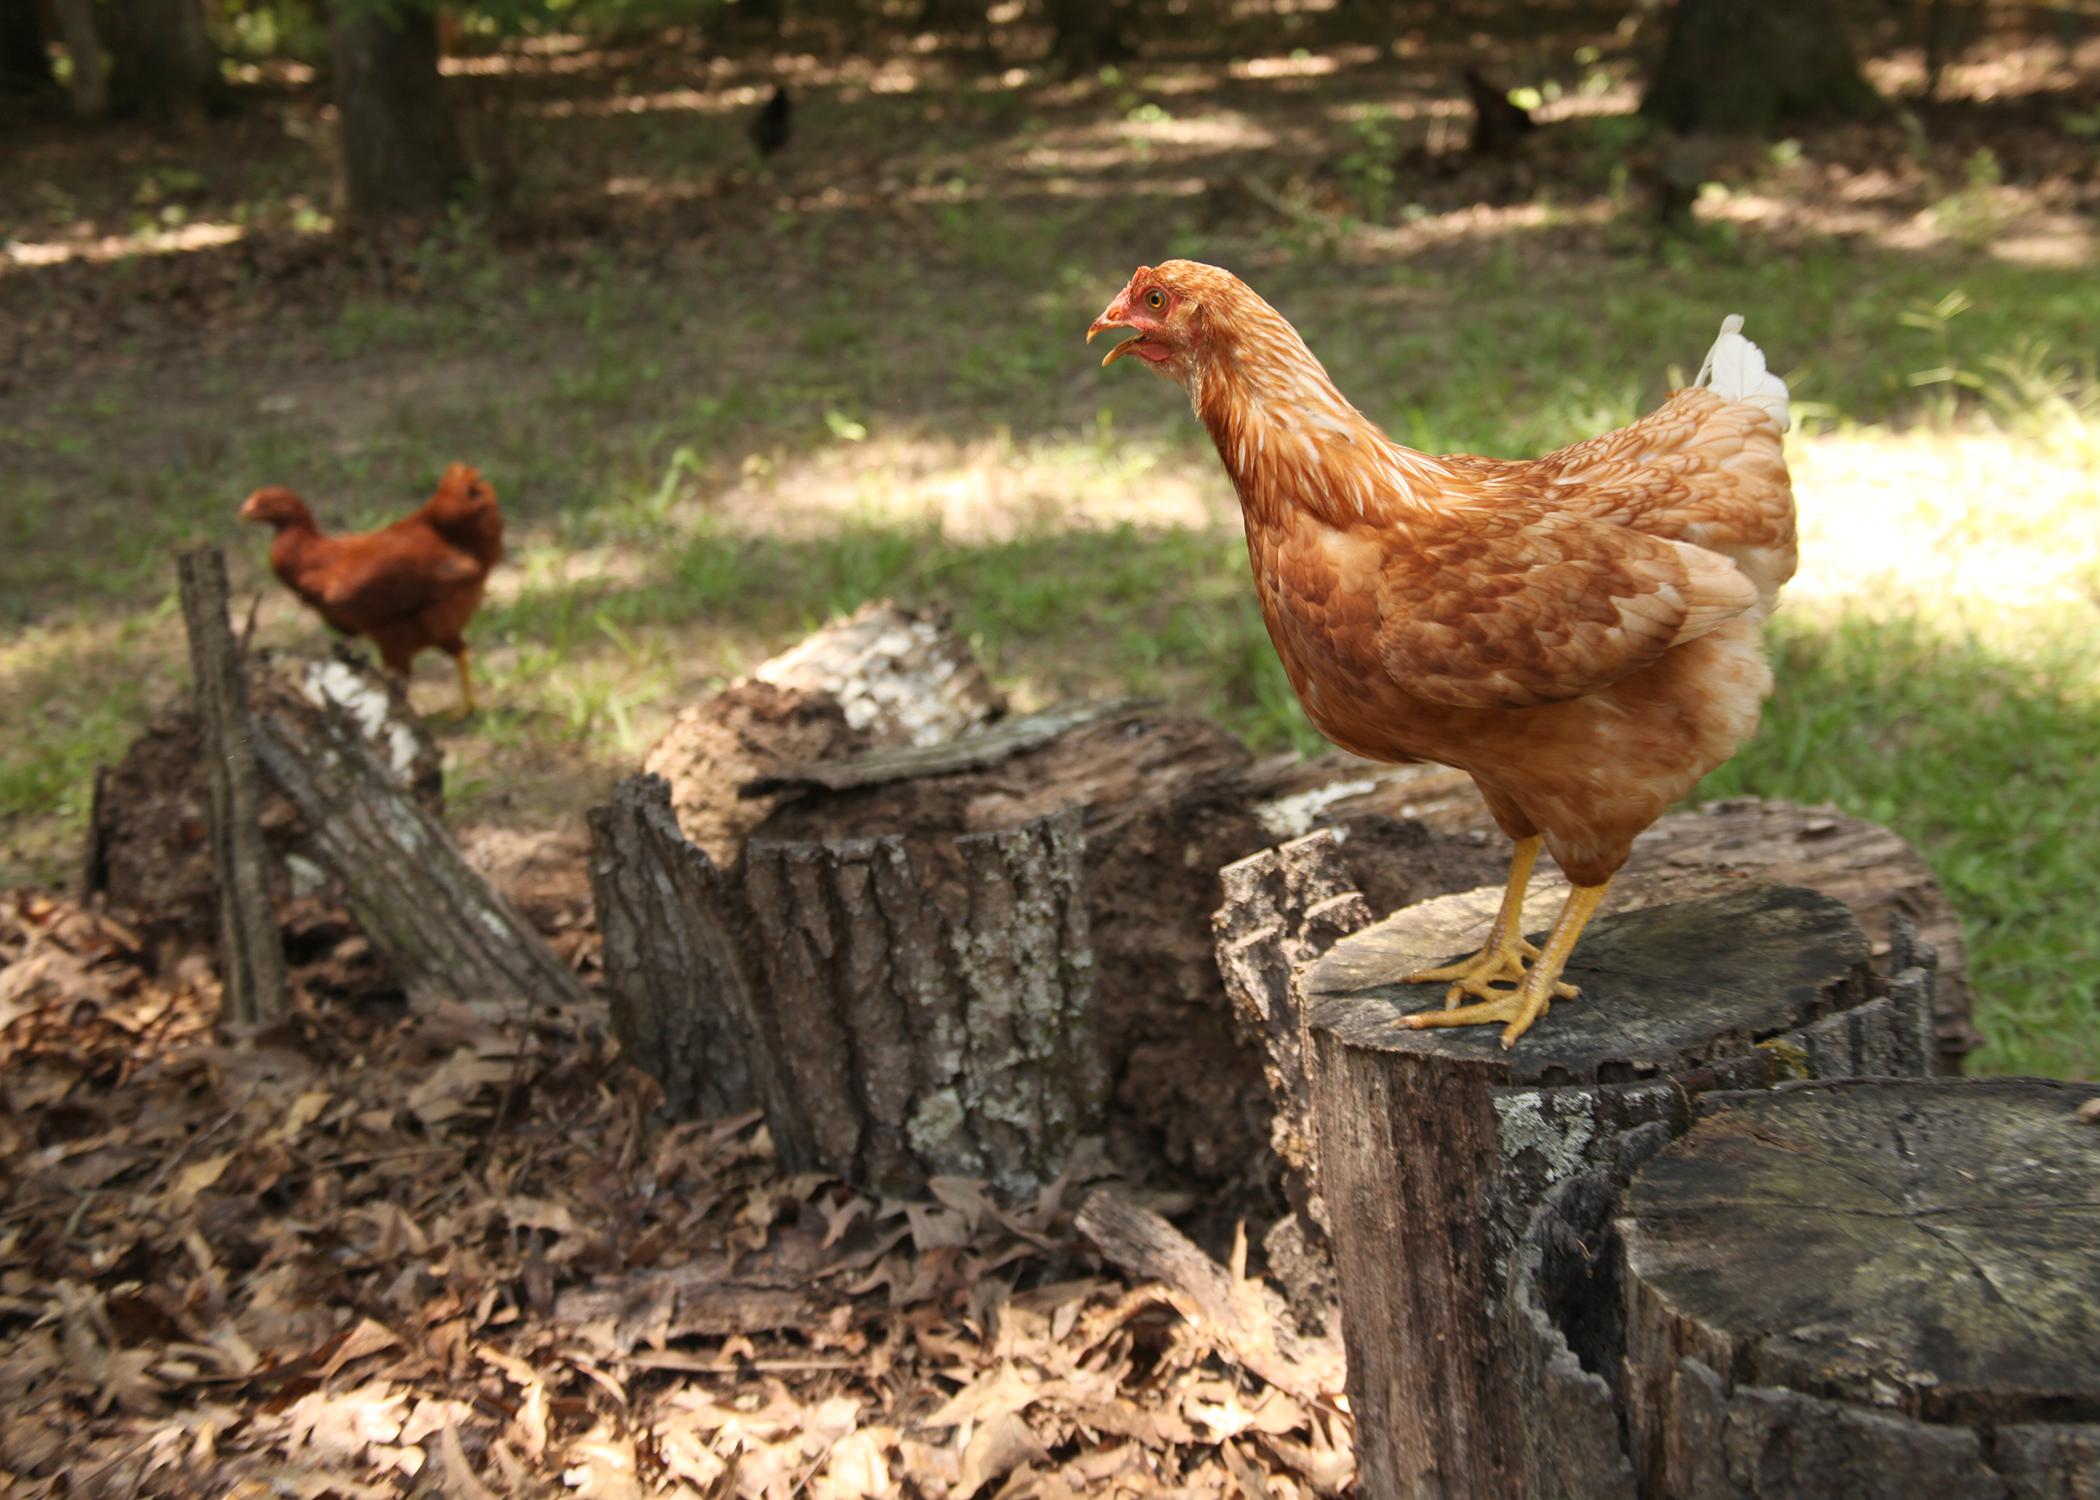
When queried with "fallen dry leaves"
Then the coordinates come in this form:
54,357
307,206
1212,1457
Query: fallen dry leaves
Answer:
444,1255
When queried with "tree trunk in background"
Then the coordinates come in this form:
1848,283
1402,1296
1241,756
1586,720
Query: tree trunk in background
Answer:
1744,66
24,63
90,85
161,62
1085,34
401,150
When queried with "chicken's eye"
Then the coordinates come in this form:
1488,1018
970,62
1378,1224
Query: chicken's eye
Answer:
1155,299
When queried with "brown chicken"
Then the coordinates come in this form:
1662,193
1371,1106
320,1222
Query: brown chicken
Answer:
1580,632
409,586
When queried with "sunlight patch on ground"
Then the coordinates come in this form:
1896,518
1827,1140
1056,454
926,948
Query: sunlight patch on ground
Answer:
1893,521
984,491
109,247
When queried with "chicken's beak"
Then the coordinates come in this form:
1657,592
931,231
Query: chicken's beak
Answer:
1115,316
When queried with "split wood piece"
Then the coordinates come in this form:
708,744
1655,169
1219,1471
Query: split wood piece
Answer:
442,930
1869,1289
975,751
1436,1146
1284,908
901,1008
1244,1316
251,950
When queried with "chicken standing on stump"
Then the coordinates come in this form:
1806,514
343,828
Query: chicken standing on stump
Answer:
769,127
1581,633
409,586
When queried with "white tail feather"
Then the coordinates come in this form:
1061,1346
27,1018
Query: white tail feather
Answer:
1735,371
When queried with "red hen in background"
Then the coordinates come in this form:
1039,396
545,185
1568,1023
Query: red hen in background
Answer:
408,587
1581,633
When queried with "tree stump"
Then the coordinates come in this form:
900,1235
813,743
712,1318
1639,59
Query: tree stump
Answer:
901,1007
1435,1147
1868,1289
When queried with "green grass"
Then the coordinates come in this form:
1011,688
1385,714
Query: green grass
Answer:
657,439
1987,760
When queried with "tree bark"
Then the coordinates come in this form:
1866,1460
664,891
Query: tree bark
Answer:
1435,1147
444,932
251,951
161,61
90,82
1086,34
900,1008
678,955
25,63
1870,1289
401,152
1743,67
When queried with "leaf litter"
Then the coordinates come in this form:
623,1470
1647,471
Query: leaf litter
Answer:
447,1254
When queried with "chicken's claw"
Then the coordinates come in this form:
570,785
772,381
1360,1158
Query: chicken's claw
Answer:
1515,1009
1478,975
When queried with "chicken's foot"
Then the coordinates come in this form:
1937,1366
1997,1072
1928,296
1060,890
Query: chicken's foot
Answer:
466,684
1516,1009
1502,957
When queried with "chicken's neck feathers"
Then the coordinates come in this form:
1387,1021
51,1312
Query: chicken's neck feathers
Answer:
1291,439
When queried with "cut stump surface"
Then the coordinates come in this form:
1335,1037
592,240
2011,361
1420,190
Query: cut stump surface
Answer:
1663,987
1939,1246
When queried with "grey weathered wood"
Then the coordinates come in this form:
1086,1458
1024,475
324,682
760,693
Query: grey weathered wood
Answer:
969,752
1860,1288
1560,1340
443,931
1282,909
251,949
1436,1146
678,954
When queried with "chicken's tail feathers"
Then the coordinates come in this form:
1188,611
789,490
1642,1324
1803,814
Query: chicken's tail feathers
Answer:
1735,371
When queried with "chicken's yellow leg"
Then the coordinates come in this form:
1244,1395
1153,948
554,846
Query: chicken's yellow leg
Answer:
1505,951
466,683
1519,1007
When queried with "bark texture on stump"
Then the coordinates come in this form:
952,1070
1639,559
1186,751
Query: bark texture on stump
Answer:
901,1007
680,960
932,998
1869,1289
1436,1146
444,931
251,952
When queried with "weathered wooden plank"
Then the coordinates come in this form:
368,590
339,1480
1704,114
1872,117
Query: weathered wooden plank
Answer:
251,949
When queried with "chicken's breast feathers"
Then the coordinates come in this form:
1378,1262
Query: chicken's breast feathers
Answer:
1517,607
